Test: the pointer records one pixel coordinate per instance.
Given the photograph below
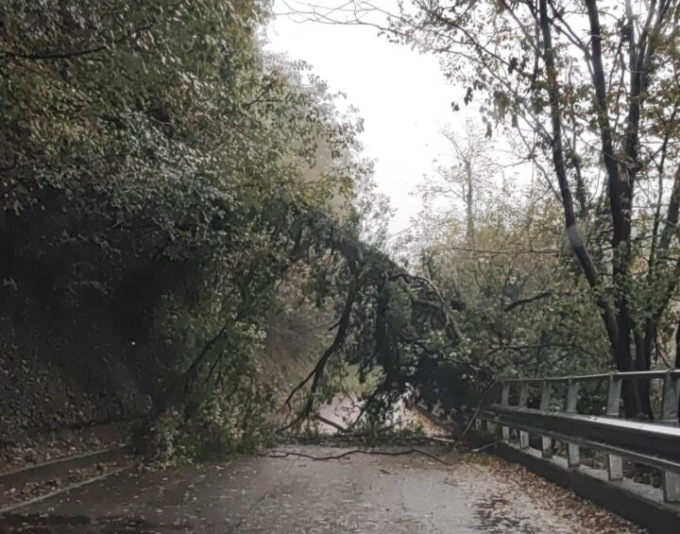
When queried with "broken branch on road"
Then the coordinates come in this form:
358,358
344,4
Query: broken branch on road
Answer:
411,450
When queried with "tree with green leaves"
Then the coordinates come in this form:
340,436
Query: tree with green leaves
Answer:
463,183
590,89
159,168
157,165
521,307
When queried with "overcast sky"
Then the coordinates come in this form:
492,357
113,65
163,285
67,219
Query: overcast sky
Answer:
400,93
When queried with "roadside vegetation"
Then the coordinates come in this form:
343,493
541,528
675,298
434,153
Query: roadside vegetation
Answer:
163,175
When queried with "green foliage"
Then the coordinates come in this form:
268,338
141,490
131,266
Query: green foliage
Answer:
229,421
523,309
157,164
588,90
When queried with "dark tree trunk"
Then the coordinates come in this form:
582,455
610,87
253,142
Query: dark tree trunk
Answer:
677,348
677,355
619,193
643,362
620,343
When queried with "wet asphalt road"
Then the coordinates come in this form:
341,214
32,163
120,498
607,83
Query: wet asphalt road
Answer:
358,494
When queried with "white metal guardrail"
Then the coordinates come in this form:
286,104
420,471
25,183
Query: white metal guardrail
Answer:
656,444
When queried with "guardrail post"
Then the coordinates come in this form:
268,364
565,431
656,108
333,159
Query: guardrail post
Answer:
479,424
669,416
523,401
546,443
614,463
573,452
505,401
491,427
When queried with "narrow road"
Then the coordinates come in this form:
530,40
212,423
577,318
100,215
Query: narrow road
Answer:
410,494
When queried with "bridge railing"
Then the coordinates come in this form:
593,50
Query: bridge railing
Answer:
655,444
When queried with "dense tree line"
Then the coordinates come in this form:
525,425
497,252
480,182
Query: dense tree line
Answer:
157,164
588,91
590,88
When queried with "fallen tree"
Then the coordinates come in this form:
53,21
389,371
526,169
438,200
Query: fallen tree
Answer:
391,322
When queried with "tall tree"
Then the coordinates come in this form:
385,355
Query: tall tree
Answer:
156,165
465,181
521,307
591,89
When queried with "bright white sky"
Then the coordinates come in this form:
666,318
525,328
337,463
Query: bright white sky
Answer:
401,94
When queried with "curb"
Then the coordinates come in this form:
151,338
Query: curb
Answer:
56,468
66,489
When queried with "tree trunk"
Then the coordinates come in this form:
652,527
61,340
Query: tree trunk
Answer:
470,207
677,347
620,343
643,362
677,355
616,317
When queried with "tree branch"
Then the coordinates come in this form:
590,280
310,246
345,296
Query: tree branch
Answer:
411,450
71,54
528,300
315,375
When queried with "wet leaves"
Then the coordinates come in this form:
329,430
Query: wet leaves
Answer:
26,452
259,495
522,502
31,490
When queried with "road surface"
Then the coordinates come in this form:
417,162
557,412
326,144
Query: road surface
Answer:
409,494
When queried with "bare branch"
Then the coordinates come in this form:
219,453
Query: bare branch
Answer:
345,454
528,300
71,54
